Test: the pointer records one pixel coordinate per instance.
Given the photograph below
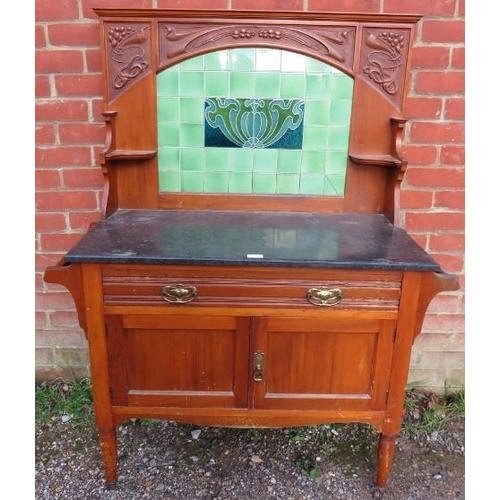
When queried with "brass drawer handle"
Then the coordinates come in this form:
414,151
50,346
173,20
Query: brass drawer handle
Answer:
324,296
179,294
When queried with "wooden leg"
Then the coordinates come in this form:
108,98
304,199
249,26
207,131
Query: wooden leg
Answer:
386,447
107,439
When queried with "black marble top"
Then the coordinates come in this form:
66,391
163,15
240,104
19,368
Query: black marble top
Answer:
350,241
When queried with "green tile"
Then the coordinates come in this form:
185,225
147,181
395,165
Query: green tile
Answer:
170,181
240,182
342,86
242,84
216,182
192,135
289,161
216,159
240,159
336,162
242,59
192,64
191,182
313,162
192,159
168,109
217,84
340,113
168,159
264,183
192,110
316,112
265,160
167,82
267,85
293,85
311,184
338,138
217,60
315,137
191,83
318,86
288,183
168,134
315,66
335,185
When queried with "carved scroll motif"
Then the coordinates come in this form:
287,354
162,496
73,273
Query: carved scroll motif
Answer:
336,44
128,54
382,64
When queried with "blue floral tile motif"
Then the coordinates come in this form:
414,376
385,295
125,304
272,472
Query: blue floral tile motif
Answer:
254,123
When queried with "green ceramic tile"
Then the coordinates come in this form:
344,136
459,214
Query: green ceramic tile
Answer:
191,182
167,82
216,159
168,134
191,135
242,59
267,85
170,181
216,182
316,112
268,59
242,84
192,110
217,84
265,160
192,159
168,109
215,61
315,137
335,185
289,161
192,64
288,183
342,86
293,85
240,182
311,184
340,113
168,159
336,162
191,83
293,62
338,138
240,159
264,183
318,86
315,66
313,162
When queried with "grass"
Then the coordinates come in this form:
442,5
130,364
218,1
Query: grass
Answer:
426,412
68,401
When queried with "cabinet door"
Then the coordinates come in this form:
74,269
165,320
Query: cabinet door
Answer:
179,361
324,364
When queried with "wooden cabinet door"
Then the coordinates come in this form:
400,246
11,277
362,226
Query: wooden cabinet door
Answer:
178,361
324,364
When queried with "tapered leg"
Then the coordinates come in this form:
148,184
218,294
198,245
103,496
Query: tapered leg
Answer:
107,439
386,447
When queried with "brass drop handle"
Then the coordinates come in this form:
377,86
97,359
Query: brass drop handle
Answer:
258,366
324,296
179,294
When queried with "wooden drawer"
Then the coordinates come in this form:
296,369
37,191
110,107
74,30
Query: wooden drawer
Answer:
249,287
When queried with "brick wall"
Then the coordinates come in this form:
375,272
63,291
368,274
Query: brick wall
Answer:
70,133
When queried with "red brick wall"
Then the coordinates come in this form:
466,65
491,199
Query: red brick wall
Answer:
70,133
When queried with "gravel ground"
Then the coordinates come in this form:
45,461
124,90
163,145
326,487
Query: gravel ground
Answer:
170,461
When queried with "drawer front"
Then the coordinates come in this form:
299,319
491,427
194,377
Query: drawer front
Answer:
206,286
